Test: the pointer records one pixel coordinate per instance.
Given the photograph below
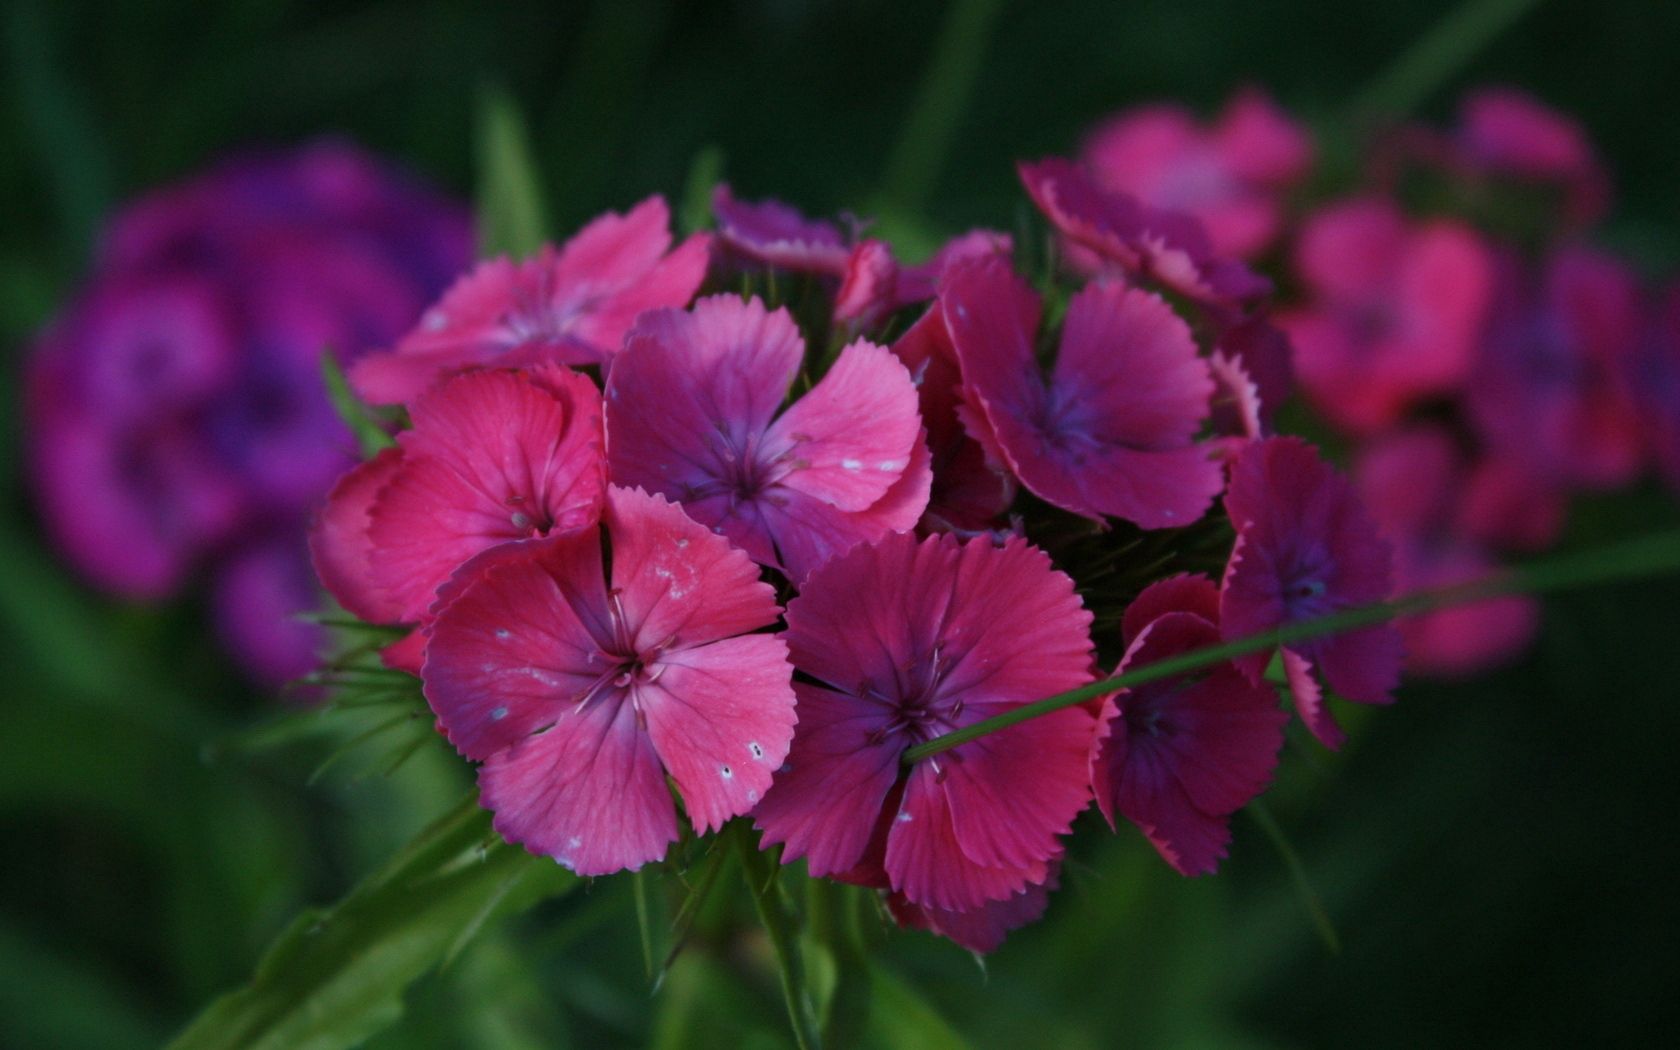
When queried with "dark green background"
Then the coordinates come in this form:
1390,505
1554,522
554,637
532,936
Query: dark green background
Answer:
1496,856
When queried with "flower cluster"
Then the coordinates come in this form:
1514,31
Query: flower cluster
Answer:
177,422
686,532
1450,320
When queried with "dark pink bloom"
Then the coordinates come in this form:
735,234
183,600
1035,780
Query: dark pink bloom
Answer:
869,290
493,457
581,688
1394,312
981,929
1306,547
1507,133
1550,390
1508,505
694,411
1230,175
968,491
177,404
1111,433
1179,756
771,233
1168,248
1415,483
920,283
904,640
571,305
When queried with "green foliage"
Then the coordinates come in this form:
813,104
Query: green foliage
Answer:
336,976
512,217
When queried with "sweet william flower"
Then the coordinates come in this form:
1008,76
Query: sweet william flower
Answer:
571,305
1394,311
1111,432
694,412
1230,175
981,929
1179,756
1306,547
493,457
1151,245
903,640
579,685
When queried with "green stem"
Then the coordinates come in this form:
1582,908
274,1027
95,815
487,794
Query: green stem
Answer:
760,870
1297,874
1647,556
925,140
1438,55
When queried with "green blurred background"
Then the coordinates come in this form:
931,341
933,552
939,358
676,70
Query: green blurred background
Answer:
1496,857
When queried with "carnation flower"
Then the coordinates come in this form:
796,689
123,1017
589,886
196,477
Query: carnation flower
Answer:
968,491
1416,483
1307,548
1179,756
1230,176
1111,433
571,305
981,929
693,412
580,685
1168,248
493,457
903,640
771,233
1550,390
1506,133
177,403
1393,315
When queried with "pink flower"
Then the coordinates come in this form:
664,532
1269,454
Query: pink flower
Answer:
1416,483
580,687
901,641
968,491
572,305
1179,756
981,929
771,233
1258,352
1306,548
1550,390
1112,431
1507,133
1394,312
1168,248
1231,175
694,412
493,457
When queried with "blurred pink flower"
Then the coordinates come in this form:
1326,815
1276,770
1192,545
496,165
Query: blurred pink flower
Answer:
1231,175
1393,311
177,401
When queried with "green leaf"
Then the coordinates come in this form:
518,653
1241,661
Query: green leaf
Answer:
694,212
512,218
337,976
903,1020
779,921
844,1011
371,434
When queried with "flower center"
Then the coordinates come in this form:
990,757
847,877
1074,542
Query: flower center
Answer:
920,707
744,470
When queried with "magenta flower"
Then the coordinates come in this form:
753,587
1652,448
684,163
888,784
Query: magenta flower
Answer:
1394,312
1508,134
1656,381
770,233
981,929
1231,175
1179,756
1167,248
1111,433
1417,486
571,305
1306,548
177,403
580,687
694,412
493,457
968,491
903,640
1550,391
